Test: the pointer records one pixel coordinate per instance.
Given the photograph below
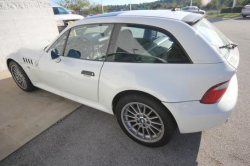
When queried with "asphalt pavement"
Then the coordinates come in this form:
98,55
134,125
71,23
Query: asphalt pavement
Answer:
90,137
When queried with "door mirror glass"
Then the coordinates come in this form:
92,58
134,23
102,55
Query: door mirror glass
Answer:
54,54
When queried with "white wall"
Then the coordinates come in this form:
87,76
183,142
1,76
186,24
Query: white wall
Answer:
23,21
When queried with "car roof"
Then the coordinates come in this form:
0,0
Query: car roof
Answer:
56,6
187,17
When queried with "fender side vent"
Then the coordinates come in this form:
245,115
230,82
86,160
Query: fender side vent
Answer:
29,61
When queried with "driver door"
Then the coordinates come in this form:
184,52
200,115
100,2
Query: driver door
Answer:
81,56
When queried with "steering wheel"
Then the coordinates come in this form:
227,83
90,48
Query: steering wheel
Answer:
85,47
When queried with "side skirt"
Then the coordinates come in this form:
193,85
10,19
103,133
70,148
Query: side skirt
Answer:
75,98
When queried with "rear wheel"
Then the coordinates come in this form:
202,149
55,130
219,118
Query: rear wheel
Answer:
145,120
244,16
20,77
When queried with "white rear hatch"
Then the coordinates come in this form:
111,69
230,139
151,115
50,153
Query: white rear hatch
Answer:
226,48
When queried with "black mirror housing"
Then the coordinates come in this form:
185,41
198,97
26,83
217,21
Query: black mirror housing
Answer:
54,54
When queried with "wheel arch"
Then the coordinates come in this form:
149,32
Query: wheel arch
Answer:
8,62
123,93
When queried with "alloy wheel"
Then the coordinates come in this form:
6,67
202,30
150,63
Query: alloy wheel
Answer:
18,77
142,122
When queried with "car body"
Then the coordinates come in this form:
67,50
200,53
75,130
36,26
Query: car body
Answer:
193,9
64,17
178,65
245,11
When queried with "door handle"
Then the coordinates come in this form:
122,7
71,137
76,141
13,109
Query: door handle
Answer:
89,73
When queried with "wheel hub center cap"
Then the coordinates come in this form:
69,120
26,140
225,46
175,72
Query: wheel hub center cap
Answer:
142,120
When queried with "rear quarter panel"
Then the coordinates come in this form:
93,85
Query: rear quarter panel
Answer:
167,82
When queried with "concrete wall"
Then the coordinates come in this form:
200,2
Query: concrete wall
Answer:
23,21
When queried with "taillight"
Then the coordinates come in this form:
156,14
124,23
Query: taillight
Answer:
215,93
244,8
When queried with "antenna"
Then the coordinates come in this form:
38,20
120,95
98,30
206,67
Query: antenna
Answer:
176,5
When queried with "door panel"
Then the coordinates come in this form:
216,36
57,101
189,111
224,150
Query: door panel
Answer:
67,76
77,72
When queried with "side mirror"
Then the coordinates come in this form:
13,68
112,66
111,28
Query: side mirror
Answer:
54,54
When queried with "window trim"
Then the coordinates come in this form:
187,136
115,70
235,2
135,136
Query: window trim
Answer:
50,46
114,37
69,30
117,28
64,47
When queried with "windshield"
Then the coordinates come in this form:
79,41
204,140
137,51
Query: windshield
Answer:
185,8
60,10
194,8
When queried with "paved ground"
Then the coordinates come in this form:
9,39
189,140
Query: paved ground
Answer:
25,115
90,137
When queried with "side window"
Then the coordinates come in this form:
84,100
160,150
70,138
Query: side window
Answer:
142,44
55,10
60,43
194,8
89,41
137,32
60,10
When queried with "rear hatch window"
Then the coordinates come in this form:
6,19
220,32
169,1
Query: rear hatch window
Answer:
213,36
218,40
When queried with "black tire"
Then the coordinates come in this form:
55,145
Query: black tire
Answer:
24,83
244,16
169,124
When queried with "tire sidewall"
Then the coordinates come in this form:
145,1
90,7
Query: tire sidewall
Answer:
30,86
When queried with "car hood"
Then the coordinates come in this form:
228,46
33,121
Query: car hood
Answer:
37,45
32,51
68,17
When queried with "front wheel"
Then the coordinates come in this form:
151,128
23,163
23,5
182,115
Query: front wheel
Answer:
145,120
20,77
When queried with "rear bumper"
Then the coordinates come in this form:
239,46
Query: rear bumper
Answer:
194,116
245,12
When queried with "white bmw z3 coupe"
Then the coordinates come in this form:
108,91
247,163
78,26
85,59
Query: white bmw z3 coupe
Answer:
155,70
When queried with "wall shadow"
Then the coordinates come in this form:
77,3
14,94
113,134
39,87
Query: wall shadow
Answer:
24,115
90,137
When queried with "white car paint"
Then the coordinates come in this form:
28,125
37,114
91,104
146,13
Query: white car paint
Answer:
179,87
193,9
62,19
194,117
68,17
